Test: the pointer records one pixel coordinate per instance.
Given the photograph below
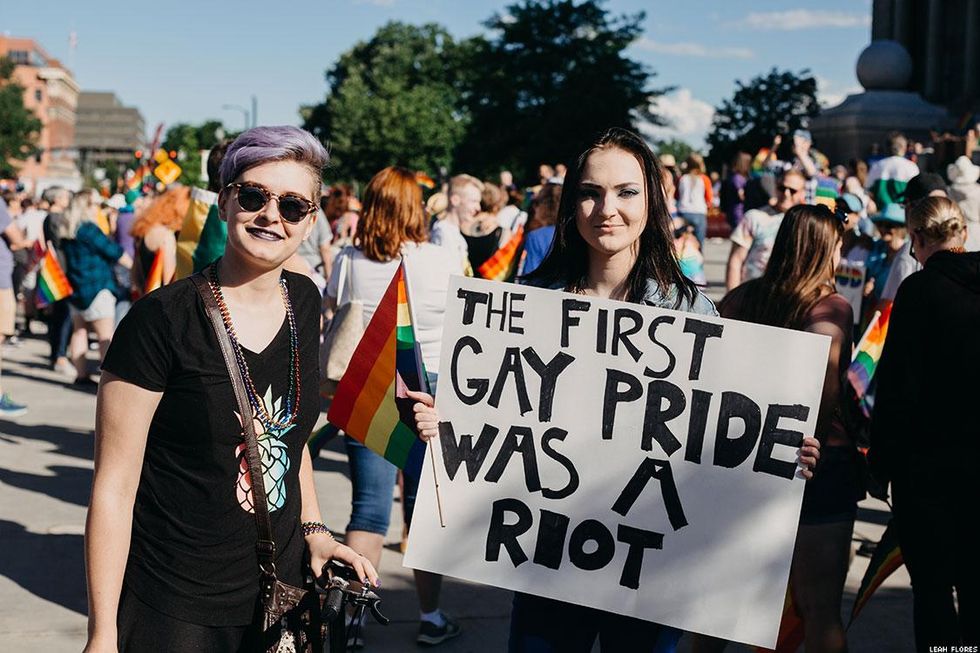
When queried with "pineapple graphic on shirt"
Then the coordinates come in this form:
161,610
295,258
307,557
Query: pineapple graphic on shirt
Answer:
273,453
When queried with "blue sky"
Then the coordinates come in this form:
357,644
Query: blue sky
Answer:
184,60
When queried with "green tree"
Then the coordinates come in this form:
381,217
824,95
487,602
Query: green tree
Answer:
679,149
552,74
778,102
188,141
19,128
392,100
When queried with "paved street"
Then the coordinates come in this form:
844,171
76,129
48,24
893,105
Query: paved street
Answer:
45,474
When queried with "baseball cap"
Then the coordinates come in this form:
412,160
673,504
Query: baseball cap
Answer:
921,185
851,202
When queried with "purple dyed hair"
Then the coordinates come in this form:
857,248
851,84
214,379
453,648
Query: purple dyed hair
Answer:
263,144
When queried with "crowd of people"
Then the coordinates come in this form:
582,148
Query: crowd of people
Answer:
169,553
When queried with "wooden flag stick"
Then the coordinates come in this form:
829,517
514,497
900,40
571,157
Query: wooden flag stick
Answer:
423,383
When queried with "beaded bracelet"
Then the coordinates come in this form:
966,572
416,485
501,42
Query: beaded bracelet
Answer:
312,527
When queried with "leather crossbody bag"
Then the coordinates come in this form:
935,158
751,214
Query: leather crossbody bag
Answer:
291,616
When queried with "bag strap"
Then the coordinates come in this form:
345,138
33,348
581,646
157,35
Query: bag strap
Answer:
344,283
266,545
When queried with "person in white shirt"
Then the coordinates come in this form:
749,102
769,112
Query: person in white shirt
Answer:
392,231
753,238
465,193
892,168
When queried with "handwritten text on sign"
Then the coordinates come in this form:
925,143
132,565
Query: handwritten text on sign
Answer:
625,457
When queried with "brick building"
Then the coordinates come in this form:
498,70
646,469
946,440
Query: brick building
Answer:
51,93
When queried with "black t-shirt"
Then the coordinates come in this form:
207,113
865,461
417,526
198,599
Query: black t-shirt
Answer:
193,545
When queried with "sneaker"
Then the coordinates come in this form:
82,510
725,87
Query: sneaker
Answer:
8,408
64,368
430,634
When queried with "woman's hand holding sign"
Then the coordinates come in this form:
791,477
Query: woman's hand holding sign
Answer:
809,455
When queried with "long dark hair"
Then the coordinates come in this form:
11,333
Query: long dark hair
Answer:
800,271
567,263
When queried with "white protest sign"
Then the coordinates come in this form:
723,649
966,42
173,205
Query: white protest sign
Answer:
850,285
629,458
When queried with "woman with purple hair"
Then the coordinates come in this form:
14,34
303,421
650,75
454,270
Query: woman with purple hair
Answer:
171,542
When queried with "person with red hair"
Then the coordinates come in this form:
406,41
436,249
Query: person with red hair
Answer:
393,230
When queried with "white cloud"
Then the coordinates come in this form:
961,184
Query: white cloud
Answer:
687,118
830,94
796,19
689,49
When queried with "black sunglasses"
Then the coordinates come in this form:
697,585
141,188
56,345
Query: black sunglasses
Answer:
254,197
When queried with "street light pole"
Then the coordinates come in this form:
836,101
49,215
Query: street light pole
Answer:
238,107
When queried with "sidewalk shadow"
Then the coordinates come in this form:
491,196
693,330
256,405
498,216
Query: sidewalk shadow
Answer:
322,464
60,382
69,484
49,566
68,442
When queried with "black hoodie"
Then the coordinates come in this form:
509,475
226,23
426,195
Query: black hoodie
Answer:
925,428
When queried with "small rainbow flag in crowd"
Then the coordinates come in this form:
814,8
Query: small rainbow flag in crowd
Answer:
52,284
868,353
761,157
790,636
503,263
886,558
425,180
136,181
154,278
371,404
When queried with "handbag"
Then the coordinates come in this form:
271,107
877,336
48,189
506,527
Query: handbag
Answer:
291,616
342,333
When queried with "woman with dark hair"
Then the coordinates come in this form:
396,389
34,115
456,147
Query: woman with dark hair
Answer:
797,291
922,437
393,229
614,240
540,227
172,538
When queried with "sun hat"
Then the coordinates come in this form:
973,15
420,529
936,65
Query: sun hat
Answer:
668,161
963,171
892,213
116,202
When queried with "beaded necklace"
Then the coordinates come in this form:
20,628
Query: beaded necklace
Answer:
293,395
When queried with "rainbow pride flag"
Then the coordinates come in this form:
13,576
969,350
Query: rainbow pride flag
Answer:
154,277
371,404
503,263
868,353
425,180
136,181
790,636
884,561
52,284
